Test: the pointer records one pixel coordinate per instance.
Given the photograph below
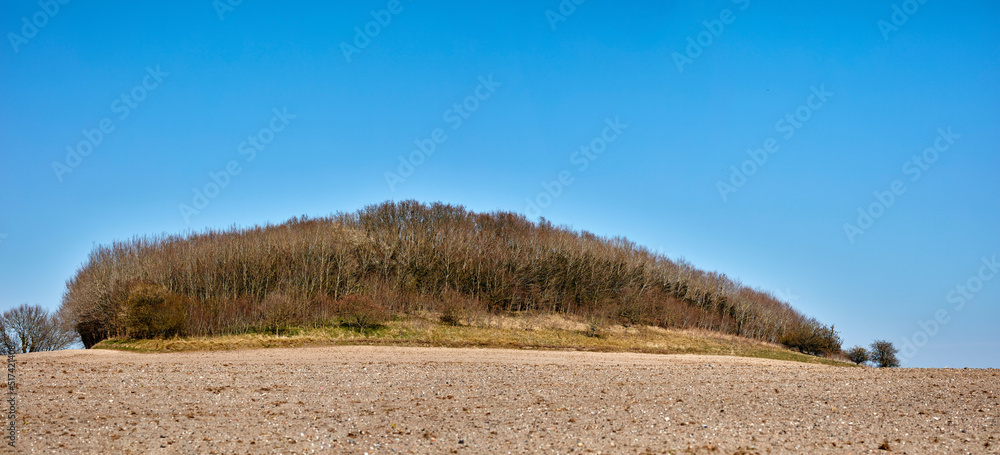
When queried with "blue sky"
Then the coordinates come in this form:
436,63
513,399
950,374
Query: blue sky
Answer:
848,97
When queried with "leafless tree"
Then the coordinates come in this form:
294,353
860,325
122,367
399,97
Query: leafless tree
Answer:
30,328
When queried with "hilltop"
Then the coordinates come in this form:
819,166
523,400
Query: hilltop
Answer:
392,261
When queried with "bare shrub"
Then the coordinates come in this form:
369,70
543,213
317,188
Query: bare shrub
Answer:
30,328
630,313
597,321
452,309
456,309
323,310
361,313
594,330
226,315
883,354
279,313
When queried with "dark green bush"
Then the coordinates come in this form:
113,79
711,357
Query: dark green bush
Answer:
152,311
883,354
811,337
630,314
91,332
858,355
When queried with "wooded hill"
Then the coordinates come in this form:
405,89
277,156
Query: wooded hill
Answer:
397,258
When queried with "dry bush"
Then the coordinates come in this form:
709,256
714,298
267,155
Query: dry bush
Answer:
278,314
631,314
323,310
451,314
412,257
597,321
359,312
456,309
152,311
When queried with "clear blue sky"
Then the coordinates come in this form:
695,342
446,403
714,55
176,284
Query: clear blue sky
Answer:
866,92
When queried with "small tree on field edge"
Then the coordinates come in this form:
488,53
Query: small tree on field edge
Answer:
31,328
883,354
858,355
811,337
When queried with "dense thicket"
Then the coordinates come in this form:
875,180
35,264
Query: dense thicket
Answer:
399,258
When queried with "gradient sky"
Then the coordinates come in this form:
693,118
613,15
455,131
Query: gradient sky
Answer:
891,84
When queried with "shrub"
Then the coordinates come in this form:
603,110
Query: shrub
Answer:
811,337
455,309
633,311
451,316
361,313
152,311
630,314
884,354
279,313
858,355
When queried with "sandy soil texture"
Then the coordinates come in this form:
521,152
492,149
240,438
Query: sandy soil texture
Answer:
378,400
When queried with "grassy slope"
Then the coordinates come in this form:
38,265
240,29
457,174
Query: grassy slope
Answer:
536,332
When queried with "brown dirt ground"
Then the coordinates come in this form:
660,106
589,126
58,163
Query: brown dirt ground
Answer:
378,400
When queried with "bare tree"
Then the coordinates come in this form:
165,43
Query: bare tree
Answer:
30,328
7,345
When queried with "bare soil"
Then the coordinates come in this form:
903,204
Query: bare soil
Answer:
377,400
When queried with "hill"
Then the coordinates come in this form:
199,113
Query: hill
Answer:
401,258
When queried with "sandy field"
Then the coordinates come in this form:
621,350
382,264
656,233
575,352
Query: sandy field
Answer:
381,400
